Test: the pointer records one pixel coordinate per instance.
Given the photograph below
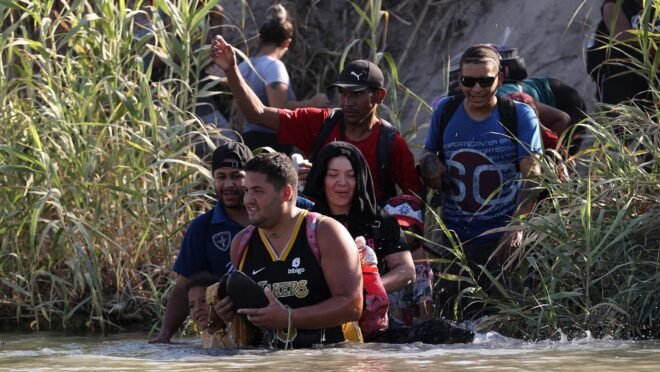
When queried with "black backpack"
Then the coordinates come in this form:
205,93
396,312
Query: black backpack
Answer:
505,107
384,151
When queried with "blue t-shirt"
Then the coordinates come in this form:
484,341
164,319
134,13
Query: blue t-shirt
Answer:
206,244
482,168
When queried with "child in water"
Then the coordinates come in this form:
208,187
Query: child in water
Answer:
210,327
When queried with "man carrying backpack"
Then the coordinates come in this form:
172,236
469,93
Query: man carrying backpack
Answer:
312,289
477,153
361,90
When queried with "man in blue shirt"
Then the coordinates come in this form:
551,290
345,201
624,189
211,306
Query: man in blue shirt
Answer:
483,170
207,241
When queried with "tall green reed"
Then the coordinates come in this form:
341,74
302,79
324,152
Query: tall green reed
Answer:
99,169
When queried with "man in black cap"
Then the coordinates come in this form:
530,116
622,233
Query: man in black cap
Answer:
361,90
205,247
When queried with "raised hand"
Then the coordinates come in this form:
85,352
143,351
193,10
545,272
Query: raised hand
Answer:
222,53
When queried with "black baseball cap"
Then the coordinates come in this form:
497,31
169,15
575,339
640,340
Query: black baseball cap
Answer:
359,75
231,154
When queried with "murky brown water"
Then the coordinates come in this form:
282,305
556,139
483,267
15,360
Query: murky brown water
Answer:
40,351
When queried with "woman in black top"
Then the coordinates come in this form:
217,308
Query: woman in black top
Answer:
343,189
614,68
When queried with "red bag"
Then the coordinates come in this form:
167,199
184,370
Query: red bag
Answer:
376,303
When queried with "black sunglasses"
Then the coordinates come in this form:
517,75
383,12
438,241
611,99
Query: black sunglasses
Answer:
484,81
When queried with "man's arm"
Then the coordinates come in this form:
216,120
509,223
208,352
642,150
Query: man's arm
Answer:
176,312
401,271
528,192
525,201
431,169
341,267
554,119
251,106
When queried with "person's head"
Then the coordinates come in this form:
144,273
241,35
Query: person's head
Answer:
407,210
480,76
278,28
271,188
361,88
196,290
229,160
342,181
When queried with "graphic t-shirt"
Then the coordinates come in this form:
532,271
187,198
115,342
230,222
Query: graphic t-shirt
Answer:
482,168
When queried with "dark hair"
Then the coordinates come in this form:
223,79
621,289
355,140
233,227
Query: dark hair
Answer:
480,53
278,26
277,167
202,279
364,206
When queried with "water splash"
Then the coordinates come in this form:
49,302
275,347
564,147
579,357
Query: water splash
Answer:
563,339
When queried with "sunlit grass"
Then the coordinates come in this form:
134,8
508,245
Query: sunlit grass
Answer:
100,174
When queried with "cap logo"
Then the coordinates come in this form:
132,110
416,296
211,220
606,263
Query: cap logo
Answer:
231,164
404,209
357,76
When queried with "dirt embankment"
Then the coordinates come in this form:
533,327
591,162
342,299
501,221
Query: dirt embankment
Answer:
423,35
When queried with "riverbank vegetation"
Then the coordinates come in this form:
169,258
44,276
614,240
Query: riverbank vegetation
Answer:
102,167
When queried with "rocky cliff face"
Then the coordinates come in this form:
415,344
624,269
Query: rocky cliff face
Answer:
422,37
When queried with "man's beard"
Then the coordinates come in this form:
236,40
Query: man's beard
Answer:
234,205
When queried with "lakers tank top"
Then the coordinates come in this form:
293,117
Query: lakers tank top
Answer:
295,278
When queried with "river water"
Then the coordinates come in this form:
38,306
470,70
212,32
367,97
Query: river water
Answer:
491,351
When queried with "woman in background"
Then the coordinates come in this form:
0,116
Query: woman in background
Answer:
268,77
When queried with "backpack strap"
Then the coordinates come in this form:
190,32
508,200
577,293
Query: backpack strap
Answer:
509,119
448,110
505,107
242,247
328,125
384,157
312,220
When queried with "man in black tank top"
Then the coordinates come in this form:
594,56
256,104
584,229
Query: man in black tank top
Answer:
309,297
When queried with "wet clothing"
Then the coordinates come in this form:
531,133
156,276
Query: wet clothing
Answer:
481,160
265,71
616,81
295,278
206,244
301,127
405,303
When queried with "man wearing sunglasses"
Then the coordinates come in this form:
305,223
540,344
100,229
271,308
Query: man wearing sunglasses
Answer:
480,167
